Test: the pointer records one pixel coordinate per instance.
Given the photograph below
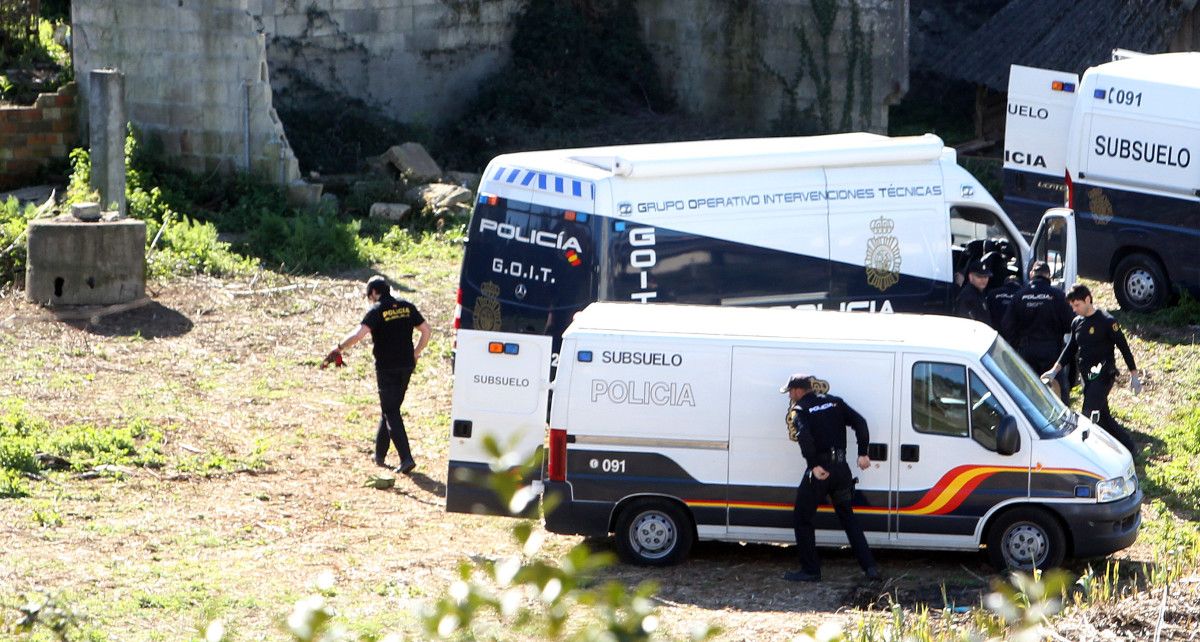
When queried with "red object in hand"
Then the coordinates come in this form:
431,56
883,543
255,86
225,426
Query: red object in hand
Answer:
334,357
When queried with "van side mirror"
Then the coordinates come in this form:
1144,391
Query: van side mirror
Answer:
1008,436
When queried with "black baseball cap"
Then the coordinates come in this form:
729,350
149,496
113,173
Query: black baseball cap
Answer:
978,267
798,381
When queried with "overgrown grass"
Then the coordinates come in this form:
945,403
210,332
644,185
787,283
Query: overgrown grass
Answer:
30,446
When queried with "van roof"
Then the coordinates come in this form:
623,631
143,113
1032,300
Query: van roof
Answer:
663,319
732,155
1169,69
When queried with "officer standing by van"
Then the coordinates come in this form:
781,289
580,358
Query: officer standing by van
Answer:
1038,320
390,322
1000,300
1094,335
972,299
818,422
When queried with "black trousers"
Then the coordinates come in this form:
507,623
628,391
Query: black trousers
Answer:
392,386
839,488
1095,399
1041,356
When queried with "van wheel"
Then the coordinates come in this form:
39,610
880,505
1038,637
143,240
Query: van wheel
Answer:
654,532
1025,538
1140,284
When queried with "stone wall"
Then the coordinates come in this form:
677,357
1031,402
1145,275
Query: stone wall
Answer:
744,59
30,137
196,80
418,61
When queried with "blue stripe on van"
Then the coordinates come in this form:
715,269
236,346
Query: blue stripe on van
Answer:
542,181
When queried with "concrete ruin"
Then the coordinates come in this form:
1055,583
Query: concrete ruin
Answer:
89,257
200,73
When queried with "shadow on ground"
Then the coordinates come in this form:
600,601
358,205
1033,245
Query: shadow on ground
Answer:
150,321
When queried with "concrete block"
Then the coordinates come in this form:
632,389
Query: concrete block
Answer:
438,196
414,162
75,263
303,194
395,20
290,26
465,179
360,21
429,16
389,211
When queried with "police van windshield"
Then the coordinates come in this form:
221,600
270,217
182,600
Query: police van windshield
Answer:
1044,410
527,267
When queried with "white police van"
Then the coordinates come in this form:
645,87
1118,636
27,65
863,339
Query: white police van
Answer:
1120,146
845,222
667,426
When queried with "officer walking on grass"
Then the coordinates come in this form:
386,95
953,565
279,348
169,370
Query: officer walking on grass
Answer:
1094,334
818,422
390,322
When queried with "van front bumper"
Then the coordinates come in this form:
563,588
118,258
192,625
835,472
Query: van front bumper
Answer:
1100,529
566,516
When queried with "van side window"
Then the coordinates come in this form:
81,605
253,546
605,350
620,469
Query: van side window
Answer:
986,413
939,403
977,235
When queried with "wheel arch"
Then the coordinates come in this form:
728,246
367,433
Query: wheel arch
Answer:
626,501
1125,251
990,520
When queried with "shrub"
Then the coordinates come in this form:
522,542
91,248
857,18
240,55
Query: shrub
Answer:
14,218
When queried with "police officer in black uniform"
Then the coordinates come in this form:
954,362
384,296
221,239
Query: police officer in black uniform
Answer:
1094,334
1038,320
390,322
818,423
972,300
1000,300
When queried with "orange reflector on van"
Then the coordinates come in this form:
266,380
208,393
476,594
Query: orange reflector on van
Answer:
496,347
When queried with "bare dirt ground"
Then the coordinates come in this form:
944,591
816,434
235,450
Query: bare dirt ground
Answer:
267,456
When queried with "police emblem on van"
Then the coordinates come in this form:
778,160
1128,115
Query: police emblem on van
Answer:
820,386
625,208
487,307
1102,209
883,255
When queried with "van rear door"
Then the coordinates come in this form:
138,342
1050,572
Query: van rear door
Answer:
501,381
1041,103
1056,244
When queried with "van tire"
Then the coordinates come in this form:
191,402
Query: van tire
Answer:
654,532
1024,537
1140,284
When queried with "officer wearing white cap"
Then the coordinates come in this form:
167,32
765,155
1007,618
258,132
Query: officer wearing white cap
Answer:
818,422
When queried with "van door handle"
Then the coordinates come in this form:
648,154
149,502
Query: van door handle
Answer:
877,452
910,452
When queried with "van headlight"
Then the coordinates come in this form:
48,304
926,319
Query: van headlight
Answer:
1110,490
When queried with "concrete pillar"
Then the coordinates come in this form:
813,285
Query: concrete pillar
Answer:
107,128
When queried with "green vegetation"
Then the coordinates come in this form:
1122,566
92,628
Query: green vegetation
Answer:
30,447
188,216
13,220
31,59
